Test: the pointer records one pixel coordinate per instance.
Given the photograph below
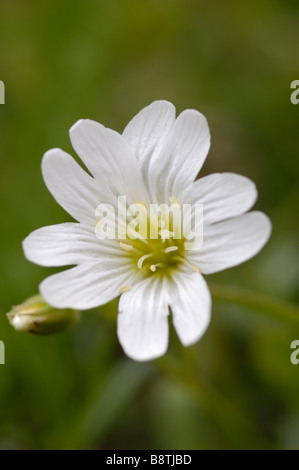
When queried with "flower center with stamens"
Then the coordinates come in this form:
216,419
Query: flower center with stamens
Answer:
161,249
155,240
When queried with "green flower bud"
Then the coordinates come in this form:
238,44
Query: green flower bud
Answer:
35,316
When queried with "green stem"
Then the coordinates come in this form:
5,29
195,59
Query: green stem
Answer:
281,309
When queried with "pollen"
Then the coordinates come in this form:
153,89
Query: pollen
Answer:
98,226
124,289
142,203
142,258
175,201
187,263
126,247
160,249
166,234
171,248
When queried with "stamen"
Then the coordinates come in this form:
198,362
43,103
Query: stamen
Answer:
142,203
175,201
187,263
136,236
125,246
171,248
137,275
166,234
154,267
98,226
124,289
195,268
140,261
161,223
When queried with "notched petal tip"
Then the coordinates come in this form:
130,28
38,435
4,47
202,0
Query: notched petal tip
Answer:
266,226
82,123
142,357
52,153
49,158
142,322
191,306
74,126
159,103
26,245
197,117
85,125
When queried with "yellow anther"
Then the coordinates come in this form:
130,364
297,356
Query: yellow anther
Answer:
195,268
98,225
187,263
154,267
175,201
142,203
125,246
171,248
166,234
124,289
140,261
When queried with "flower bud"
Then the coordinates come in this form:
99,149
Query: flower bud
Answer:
35,316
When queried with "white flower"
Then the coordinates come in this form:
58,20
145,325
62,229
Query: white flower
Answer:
155,160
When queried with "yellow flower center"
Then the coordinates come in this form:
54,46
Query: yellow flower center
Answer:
161,253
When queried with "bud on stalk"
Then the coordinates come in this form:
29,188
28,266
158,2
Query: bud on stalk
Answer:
35,316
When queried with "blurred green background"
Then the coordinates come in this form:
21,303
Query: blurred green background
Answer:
105,60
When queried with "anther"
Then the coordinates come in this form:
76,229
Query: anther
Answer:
154,267
125,246
98,226
175,201
124,289
166,234
142,203
140,261
195,268
171,248
187,263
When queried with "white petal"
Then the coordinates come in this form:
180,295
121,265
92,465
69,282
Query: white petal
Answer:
231,242
142,323
66,244
109,158
183,154
191,306
147,132
223,195
71,186
86,286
